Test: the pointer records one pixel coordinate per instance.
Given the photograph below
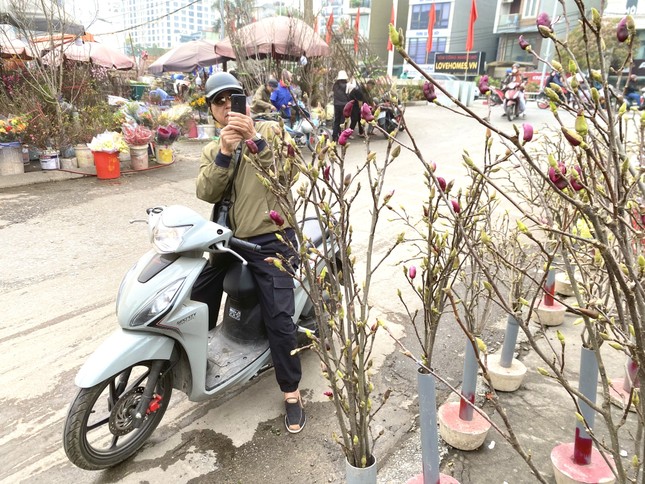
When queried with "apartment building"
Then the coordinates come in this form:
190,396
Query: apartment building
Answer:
166,23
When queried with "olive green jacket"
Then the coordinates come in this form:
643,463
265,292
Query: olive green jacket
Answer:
251,200
261,101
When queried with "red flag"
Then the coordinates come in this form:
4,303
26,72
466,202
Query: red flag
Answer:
431,20
330,22
356,24
470,39
392,20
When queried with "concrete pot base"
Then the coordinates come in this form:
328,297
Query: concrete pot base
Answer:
618,395
549,315
443,479
568,472
505,379
458,433
563,284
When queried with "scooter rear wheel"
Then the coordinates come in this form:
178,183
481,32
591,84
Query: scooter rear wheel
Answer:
314,137
98,429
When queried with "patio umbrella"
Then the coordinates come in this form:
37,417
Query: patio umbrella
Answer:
15,48
99,54
278,37
186,57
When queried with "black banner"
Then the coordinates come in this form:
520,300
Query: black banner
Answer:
459,63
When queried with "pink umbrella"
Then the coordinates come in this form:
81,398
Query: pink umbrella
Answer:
186,57
15,48
279,37
99,54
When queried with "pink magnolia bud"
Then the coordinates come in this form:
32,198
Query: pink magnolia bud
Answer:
527,130
543,23
326,172
575,180
622,32
442,183
253,148
412,272
428,91
277,218
329,394
483,84
291,152
455,206
557,176
347,110
524,45
366,112
344,136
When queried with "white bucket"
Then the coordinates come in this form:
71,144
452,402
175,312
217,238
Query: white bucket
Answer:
11,159
49,160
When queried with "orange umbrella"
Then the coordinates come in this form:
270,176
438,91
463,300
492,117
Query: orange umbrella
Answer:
278,37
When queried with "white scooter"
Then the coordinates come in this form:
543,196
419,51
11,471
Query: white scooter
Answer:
164,341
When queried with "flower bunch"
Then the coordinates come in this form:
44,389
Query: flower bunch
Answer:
166,135
11,129
109,141
136,135
199,103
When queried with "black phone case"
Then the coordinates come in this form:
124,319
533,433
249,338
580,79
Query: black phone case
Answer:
238,103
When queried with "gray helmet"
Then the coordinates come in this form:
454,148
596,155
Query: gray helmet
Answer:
221,82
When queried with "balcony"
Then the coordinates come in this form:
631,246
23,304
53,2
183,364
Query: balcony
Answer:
508,23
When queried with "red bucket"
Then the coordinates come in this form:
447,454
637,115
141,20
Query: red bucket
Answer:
107,165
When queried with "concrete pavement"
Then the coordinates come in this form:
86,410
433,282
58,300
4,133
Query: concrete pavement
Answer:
189,445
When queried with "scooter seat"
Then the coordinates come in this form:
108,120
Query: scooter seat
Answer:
311,229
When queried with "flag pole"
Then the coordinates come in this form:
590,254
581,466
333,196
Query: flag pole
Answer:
390,54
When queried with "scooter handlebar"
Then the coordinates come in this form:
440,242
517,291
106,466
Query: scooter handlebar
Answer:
243,244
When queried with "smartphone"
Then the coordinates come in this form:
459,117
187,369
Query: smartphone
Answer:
238,103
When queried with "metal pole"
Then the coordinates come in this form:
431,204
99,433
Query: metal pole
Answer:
390,54
548,46
510,338
429,436
549,288
588,386
469,384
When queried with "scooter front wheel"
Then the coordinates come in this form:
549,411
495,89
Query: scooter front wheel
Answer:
99,428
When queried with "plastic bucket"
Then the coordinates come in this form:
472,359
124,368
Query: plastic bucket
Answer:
11,162
48,160
84,156
107,165
164,154
139,157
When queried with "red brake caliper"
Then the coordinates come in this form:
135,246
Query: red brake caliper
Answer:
155,403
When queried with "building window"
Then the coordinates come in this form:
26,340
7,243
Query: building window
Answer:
417,49
419,18
531,8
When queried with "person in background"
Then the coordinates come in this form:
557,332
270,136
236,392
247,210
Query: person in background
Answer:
249,220
360,94
281,97
516,77
341,98
262,98
632,94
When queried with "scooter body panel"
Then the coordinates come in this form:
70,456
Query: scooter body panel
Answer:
121,350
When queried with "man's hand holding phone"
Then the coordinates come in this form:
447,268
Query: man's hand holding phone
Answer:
240,126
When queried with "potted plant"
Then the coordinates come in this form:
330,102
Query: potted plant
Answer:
165,136
137,137
12,130
106,148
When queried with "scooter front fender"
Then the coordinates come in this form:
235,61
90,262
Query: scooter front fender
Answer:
120,351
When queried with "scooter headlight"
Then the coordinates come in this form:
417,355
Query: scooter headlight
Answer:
168,239
159,304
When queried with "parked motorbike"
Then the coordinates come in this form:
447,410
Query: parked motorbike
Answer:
542,99
306,130
390,116
164,341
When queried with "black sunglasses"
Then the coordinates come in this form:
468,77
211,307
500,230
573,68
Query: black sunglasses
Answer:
220,101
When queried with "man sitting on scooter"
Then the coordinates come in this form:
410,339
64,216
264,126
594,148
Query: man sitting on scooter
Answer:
632,95
249,219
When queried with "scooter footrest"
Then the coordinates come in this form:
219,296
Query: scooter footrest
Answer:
227,357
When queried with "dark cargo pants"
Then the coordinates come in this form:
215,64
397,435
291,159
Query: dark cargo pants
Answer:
277,303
